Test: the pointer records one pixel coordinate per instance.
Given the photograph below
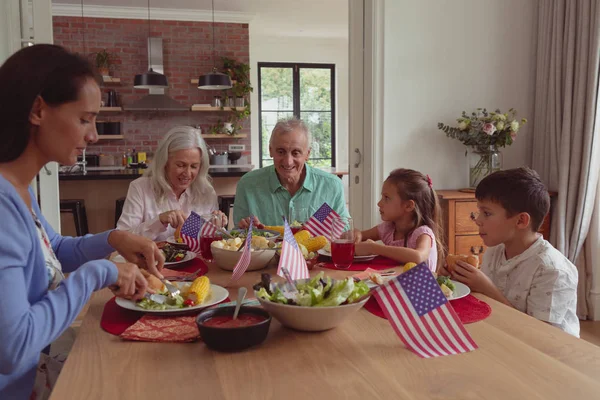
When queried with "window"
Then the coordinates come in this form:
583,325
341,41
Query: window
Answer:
306,91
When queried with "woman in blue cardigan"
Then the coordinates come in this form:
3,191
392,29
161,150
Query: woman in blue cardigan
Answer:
49,101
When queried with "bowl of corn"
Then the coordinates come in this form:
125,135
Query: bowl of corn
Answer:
227,253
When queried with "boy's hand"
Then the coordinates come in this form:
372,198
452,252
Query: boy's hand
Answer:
472,277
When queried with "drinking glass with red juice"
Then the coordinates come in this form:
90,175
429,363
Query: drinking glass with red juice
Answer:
206,240
342,242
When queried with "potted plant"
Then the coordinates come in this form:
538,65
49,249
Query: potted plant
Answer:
103,61
240,76
484,133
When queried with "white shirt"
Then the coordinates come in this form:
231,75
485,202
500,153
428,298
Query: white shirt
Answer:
540,282
141,210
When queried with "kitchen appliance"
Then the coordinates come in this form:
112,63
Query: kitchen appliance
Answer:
108,128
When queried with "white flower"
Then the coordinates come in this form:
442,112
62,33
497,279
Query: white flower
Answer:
462,125
514,125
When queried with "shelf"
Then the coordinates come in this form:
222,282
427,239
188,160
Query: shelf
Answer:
196,107
194,81
111,109
110,137
224,136
110,79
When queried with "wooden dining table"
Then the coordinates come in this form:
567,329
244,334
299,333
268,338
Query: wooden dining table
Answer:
518,357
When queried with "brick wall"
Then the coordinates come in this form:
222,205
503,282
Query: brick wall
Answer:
187,52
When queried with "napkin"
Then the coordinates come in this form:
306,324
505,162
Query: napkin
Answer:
152,328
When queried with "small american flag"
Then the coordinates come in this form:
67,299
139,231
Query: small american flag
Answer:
291,256
208,228
321,223
191,230
419,312
244,261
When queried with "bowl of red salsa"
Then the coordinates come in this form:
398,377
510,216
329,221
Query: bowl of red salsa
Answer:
221,332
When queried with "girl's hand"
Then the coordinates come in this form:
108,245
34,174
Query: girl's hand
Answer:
443,270
130,284
138,250
472,277
364,248
357,236
223,218
175,218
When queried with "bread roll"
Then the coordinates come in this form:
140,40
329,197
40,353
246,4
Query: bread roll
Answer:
153,282
453,258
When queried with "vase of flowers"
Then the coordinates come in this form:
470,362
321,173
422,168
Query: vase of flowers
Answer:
484,133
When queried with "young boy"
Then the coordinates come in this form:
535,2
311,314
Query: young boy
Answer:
520,268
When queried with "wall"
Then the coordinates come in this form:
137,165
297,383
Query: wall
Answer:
307,50
443,57
187,49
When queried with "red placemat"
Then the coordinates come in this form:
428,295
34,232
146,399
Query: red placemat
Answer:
469,309
189,267
377,263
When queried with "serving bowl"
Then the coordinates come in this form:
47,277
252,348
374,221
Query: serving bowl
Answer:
227,259
273,238
311,319
233,339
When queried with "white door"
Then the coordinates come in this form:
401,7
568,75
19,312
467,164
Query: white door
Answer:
25,22
366,109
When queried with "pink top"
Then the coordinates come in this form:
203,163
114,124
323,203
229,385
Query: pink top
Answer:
386,232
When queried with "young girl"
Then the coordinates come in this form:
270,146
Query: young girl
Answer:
411,229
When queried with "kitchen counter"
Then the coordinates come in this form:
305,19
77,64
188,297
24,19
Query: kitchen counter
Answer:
224,172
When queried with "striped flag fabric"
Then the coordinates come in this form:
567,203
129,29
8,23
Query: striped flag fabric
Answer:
208,228
320,224
421,315
244,261
291,256
190,231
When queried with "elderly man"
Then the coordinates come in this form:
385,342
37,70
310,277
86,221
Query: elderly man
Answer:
289,184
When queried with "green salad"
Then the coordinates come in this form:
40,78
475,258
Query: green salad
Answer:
242,233
170,304
320,291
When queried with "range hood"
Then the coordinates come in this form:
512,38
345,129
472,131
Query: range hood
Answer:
156,100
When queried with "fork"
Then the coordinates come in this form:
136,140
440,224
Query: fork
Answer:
172,289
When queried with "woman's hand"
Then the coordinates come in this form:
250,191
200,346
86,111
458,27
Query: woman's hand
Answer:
222,216
245,223
138,250
472,277
175,218
130,284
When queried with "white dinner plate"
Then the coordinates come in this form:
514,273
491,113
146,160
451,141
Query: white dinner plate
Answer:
460,290
171,240
217,295
357,259
189,255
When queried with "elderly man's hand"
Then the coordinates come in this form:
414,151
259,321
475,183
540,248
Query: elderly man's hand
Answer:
138,250
245,223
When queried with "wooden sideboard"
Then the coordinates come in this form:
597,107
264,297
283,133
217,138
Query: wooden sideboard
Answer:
461,234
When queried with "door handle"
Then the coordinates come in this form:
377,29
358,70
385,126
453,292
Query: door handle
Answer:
359,157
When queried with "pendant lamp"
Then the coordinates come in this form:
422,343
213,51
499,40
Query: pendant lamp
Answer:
214,80
150,79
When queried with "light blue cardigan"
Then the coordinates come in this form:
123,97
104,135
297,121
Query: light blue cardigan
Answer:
31,317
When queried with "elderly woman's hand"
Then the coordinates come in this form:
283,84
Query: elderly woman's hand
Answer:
223,218
138,250
175,218
131,284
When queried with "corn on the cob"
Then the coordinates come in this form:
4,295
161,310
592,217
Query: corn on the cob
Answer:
315,244
408,265
199,289
278,229
302,236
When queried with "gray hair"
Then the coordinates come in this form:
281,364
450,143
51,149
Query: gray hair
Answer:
289,125
179,138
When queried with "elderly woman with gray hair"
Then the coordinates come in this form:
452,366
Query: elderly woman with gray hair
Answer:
176,184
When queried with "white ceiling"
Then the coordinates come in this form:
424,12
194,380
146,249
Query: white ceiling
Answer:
306,18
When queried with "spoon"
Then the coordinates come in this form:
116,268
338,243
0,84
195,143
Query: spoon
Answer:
240,299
